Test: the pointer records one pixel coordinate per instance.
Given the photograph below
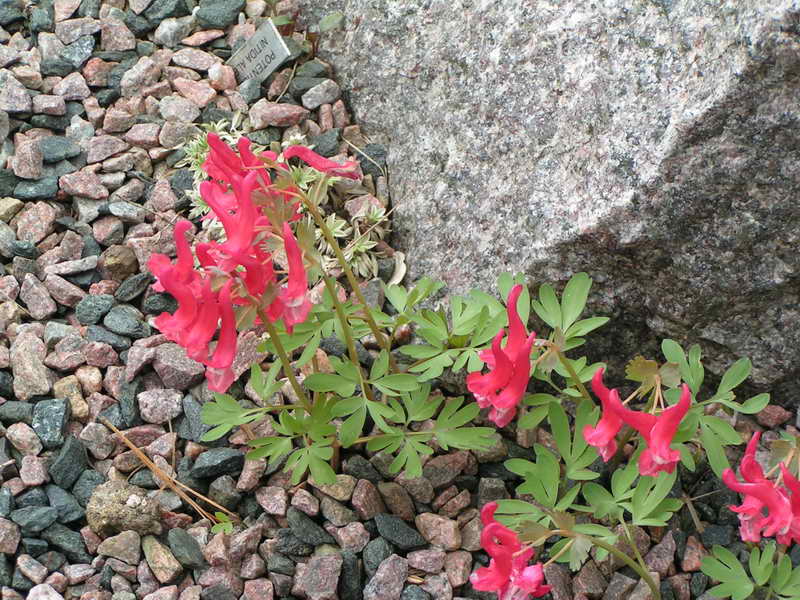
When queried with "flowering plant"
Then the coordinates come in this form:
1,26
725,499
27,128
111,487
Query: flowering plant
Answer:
600,466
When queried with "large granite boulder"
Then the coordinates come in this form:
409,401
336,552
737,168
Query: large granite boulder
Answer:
653,143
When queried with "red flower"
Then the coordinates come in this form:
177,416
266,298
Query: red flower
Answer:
603,435
314,160
503,387
757,497
508,573
657,432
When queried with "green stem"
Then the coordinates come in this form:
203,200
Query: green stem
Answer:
578,383
644,573
348,336
633,545
384,342
284,358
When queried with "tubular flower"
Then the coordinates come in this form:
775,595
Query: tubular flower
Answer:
656,431
314,160
508,573
503,387
768,508
603,435
779,510
238,271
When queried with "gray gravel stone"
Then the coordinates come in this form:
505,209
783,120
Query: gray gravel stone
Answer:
50,421
306,529
218,461
185,548
70,462
400,533
93,308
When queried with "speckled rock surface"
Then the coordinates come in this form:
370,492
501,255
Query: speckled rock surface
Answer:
652,144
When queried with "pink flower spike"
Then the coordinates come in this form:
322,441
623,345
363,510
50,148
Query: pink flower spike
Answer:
531,581
294,295
322,164
779,517
219,373
603,435
485,386
659,456
749,467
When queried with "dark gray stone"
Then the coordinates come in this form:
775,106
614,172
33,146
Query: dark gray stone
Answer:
33,519
65,504
7,503
69,464
218,14
10,12
375,552
312,68
185,548
25,249
6,571
400,533
93,308
158,11
280,563
96,333
125,320
306,529
218,461
133,287
360,468
326,144
79,51
40,189
351,577
190,425
8,182
55,148
67,541
155,304
14,411
414,592
289,543
50,421
31,497
85,485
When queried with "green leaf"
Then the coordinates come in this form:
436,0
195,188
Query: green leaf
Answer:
547,307
541,478
573,300
735,375
754,405
761,563
420,350
400,382
585,326
559,425
352,427
334,20
532,418
723,430
724,567
328,382
602,502
714,450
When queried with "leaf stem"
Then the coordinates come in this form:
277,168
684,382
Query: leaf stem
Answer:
384,342
571,370
560,553
284,358
645,574
348,337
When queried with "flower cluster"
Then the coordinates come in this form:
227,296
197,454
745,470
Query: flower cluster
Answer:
780,499
239,271
503,387
656,431
508,573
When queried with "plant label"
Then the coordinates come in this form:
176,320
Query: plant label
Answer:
260,55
